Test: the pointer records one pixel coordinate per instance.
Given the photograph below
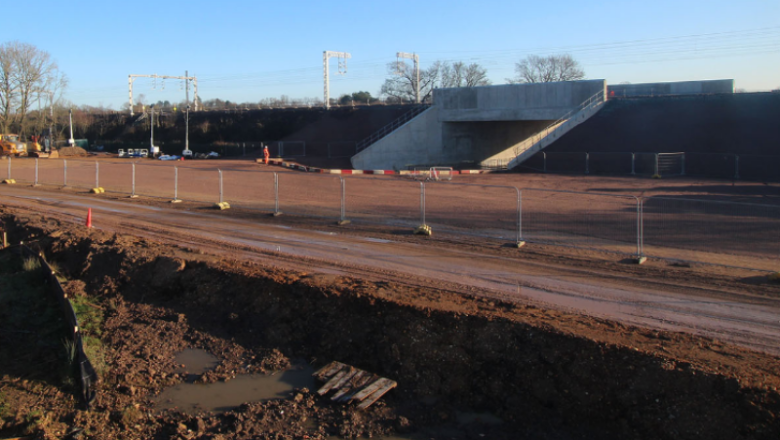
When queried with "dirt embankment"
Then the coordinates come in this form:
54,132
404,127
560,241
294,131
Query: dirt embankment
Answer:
448,354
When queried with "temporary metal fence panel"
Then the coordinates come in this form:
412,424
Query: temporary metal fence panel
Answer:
537,162
81,173
249,189
759,168
736,234
274,148
494,164
585,220
155,180
316,195
383,200
670,164
51,172
565,163
116,177
711,165
198,184
481,210
23,169
645,163
609,163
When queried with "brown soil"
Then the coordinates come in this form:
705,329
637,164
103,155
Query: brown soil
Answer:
72,152
546,374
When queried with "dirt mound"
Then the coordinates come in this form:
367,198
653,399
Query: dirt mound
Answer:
72,152
544,374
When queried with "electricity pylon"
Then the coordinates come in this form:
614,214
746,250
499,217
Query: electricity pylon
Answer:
326,55
416,58
186,78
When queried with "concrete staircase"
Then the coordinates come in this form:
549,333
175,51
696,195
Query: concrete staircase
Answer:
391,127
519,153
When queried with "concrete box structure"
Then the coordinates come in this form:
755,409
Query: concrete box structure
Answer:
472,124
514,102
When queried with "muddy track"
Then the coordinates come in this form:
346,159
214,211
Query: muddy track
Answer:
705,301
454,333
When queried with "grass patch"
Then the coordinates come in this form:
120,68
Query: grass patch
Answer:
4,406
96,353
89,315
34,420
31,264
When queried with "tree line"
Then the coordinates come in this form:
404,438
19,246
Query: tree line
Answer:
29,78
31,87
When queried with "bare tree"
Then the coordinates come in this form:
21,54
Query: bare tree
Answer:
537,69
459,74
400,86
35,72
8,90
27,76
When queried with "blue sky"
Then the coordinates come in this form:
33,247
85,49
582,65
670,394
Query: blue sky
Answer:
244,51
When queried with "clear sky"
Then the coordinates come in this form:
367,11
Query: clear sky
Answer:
244,51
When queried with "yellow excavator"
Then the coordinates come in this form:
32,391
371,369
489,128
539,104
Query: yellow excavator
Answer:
11,146
34,149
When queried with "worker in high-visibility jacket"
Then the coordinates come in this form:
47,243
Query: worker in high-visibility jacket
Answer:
265,154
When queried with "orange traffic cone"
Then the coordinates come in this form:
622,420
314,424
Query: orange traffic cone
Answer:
89,217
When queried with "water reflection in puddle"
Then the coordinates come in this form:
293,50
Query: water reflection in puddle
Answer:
195,361
376,240
224,396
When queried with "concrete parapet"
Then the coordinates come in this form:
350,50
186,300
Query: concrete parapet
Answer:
671,88
514,102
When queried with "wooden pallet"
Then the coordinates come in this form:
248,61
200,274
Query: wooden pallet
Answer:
352,384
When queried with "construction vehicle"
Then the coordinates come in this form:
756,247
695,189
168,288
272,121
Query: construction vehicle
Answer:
11,146
34,148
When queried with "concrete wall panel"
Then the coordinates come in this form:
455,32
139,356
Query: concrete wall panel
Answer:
418,141
672,88
514,102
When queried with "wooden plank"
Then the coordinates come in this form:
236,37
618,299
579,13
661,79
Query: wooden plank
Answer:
377,395
329,370
367,379
351,384
367,391
351,372
333,380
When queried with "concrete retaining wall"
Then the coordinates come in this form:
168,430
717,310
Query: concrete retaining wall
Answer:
418,141
739,123
514,102
672,88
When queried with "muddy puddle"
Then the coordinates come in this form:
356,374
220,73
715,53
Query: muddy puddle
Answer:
191,397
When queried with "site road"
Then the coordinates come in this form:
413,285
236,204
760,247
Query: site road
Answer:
728,315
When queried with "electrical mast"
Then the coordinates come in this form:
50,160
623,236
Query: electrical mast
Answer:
186,79
326,55
416,58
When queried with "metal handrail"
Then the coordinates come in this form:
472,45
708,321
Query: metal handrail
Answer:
592,101
389,128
